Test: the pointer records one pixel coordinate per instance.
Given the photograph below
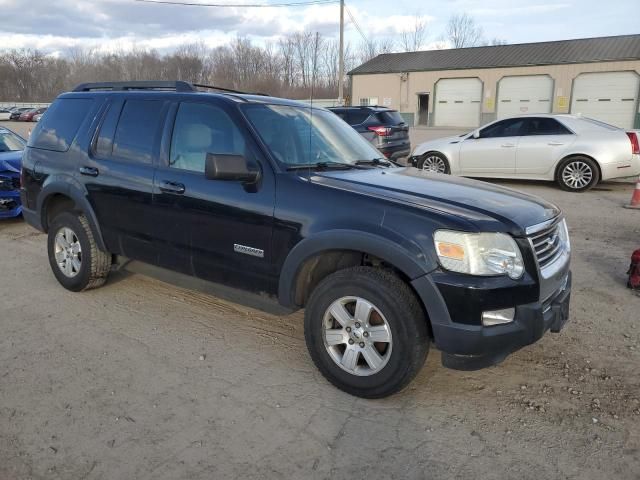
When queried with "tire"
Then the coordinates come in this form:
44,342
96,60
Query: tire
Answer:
577,174
88,266
396,316
434,162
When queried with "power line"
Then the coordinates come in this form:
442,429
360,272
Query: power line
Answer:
355,24
243,5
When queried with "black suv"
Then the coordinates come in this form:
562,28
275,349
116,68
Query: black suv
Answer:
383,127
275,200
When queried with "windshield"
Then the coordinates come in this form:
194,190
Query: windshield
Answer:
305,135
10,142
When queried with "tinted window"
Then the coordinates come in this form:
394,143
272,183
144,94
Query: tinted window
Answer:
137,130
505,128
104,143
200,129
357,117
59,126
390,118
545,126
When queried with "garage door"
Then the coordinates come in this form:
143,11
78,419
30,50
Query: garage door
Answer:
611,97
526,94
458,102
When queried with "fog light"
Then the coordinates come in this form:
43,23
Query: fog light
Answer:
498,317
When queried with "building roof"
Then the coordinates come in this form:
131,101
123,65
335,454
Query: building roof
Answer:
584,50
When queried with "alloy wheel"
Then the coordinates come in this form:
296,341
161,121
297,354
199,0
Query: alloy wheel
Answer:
357,336
577,174
68,252
434,163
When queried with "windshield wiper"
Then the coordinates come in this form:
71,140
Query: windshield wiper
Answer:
322,166
375,162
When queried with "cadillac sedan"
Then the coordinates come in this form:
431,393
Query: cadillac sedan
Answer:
576,152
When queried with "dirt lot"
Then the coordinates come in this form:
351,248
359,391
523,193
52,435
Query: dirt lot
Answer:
140,379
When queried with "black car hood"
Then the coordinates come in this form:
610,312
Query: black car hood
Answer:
480,203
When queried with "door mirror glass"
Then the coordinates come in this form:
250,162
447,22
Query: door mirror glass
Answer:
229,167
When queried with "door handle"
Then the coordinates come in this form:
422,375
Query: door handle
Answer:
555,144
172,187
508,145
89,171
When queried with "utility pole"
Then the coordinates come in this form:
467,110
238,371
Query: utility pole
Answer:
341,60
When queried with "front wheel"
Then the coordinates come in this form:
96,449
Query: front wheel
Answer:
578,174
433,162
366,331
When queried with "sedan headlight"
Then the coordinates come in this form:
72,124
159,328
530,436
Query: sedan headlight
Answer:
479,253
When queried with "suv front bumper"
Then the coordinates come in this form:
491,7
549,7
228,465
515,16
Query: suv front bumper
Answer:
472,346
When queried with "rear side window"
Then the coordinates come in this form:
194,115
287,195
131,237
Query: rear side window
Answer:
137,130
390,118
545,126
59,126
356,118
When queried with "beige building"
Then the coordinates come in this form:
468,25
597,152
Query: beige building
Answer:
468,87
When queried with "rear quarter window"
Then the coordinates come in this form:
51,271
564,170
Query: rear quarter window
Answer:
356,118
390,118
57,129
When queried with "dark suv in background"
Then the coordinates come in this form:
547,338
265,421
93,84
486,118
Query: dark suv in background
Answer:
269,199
383,127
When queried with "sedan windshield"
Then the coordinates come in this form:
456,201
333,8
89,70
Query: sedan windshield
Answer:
10,142
308,136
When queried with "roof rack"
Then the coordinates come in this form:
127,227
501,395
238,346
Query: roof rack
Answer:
136,85
178,86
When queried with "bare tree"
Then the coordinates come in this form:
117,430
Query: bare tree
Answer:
373,48
463,31
413,39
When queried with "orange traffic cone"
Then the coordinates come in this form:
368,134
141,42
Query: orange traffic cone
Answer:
635,198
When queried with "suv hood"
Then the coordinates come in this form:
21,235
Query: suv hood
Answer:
485,206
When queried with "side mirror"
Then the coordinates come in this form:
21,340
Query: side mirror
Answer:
476,134
229,167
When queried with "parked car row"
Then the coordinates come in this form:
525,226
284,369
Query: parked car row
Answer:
22,114
574,151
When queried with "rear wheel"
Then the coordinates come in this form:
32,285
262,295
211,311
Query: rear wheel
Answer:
75,259
366,331
578,174
433,162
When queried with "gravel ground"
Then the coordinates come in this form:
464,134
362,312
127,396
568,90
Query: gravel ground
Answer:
141,379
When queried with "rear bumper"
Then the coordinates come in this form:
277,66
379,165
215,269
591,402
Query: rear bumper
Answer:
627,168
32,218
466,346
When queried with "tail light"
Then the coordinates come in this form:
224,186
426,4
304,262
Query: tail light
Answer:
381,131
635,145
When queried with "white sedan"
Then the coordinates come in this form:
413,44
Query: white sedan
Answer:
4,114
576,152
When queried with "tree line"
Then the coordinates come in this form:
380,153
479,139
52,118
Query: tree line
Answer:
299,65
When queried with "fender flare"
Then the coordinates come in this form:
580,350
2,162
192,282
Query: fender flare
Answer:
69,187
412,263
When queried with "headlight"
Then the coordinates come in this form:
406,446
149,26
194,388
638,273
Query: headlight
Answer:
479,253
563,233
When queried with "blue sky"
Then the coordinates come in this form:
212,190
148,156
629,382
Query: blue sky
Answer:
124,24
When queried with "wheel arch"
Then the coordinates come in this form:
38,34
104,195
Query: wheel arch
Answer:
576,155
316,257
61,196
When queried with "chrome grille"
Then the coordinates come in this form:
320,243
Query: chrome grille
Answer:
547,244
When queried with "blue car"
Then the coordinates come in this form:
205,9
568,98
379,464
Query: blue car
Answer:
11,147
